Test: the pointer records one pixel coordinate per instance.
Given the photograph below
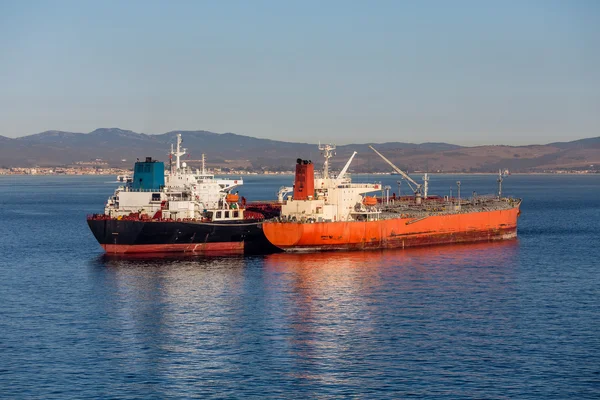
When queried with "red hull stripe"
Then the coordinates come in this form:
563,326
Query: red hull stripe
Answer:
198,248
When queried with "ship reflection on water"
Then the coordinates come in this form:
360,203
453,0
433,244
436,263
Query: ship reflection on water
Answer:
305,317
484,254
337,308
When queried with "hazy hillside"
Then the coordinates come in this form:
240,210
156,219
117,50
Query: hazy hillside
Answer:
58,148
590,143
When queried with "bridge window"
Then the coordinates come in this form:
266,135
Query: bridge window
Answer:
226,214
218,214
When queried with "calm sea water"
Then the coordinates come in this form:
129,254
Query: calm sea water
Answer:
518,319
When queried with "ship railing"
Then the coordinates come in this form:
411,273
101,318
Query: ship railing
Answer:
98,217
264,202
418,211
358,185
147,190
143,190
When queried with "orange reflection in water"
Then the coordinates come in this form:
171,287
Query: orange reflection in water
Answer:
424,258
329,300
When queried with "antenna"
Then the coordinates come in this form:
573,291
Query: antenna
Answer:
500,183
458,184
327,150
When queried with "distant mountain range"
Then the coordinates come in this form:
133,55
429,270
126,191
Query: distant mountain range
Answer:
229,150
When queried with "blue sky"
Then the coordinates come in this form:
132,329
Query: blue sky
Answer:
464,72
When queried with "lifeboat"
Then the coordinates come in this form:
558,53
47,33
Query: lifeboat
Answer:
232,198
369,201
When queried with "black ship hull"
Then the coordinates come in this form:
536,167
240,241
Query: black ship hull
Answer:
133,236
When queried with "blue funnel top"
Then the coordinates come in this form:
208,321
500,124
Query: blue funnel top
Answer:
149,175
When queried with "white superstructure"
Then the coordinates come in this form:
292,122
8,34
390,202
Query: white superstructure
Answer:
186,194
335,198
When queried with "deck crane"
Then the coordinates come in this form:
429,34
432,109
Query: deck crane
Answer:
343,172
420,190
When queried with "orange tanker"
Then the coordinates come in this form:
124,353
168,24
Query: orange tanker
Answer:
335,214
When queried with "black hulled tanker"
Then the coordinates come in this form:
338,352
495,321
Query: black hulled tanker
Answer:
138,236
180,210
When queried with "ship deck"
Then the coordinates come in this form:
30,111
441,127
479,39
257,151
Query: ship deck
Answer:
406,208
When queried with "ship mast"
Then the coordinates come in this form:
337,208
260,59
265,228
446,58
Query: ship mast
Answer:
179,152
327,150
500,183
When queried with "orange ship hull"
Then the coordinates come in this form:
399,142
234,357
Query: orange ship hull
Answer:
393,233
